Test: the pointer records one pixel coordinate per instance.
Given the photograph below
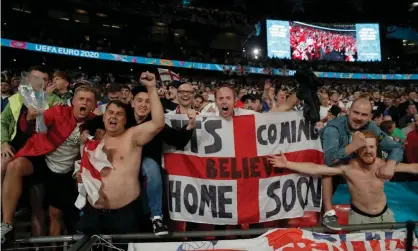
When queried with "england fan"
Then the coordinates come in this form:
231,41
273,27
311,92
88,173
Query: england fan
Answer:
340,142
368,200
49,159
115,208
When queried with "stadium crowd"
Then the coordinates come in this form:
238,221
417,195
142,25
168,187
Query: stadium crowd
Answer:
127,119
310,43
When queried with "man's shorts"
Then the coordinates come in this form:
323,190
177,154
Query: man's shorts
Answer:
359,217
60,189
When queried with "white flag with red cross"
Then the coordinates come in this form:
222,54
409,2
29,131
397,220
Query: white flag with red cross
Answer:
223,176
168,75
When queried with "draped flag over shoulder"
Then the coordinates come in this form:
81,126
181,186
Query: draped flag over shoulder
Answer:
168,75
93,160
292,240
223,176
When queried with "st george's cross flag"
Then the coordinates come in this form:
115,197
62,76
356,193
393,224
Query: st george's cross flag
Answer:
93,160
223,175
168,75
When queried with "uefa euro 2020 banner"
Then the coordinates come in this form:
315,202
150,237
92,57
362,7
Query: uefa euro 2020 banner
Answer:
292,240
223,176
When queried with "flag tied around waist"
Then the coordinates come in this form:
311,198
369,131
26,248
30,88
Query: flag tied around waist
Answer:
223,176
93,160
292,240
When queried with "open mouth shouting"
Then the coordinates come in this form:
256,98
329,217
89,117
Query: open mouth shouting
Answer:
225,110
112,123
357,123
83,111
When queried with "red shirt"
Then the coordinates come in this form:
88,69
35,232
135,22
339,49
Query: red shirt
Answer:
239,104
411,147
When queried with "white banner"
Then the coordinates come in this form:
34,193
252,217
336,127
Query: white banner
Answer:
292,240
223,176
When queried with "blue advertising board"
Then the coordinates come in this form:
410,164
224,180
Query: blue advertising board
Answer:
187,64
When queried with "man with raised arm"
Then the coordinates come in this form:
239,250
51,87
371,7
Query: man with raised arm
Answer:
368,200
113,209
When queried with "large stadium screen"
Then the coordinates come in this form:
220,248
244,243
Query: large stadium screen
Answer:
303,41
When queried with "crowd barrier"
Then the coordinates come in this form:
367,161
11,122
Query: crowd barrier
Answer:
83,242
191,65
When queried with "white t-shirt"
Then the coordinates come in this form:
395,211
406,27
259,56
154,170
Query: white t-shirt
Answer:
237,112
62,159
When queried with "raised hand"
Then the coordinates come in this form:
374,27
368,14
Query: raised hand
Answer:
192,119
51,88
359,140
267,85
148,79
278,160
271,94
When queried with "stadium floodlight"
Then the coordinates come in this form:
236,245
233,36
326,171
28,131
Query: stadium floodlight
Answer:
256,57
256,51
413,6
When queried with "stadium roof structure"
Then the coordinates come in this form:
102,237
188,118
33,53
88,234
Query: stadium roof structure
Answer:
221,25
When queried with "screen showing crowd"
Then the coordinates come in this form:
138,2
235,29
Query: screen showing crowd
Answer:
303,41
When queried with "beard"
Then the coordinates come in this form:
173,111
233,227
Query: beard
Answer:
368,160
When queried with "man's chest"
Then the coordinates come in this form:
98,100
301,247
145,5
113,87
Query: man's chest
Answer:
363,180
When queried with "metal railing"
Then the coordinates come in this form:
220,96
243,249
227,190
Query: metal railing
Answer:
83,242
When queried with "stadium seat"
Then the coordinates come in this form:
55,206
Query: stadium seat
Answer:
309,219
180,226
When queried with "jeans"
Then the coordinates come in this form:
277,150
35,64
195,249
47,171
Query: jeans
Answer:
154,189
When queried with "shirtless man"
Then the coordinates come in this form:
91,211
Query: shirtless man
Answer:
368,200
115,210
225,100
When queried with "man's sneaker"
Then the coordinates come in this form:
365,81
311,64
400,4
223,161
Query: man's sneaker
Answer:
330,220
159,227
6,232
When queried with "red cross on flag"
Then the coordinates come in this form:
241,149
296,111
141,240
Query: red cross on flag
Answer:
168,75
223,176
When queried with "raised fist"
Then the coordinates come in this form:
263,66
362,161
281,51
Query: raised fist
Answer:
148,79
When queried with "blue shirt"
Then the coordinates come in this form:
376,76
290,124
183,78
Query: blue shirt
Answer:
336,136
3,103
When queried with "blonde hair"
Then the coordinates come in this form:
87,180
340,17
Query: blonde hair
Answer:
87,88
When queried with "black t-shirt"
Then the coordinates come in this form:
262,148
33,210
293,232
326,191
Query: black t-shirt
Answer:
379,106
168,105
